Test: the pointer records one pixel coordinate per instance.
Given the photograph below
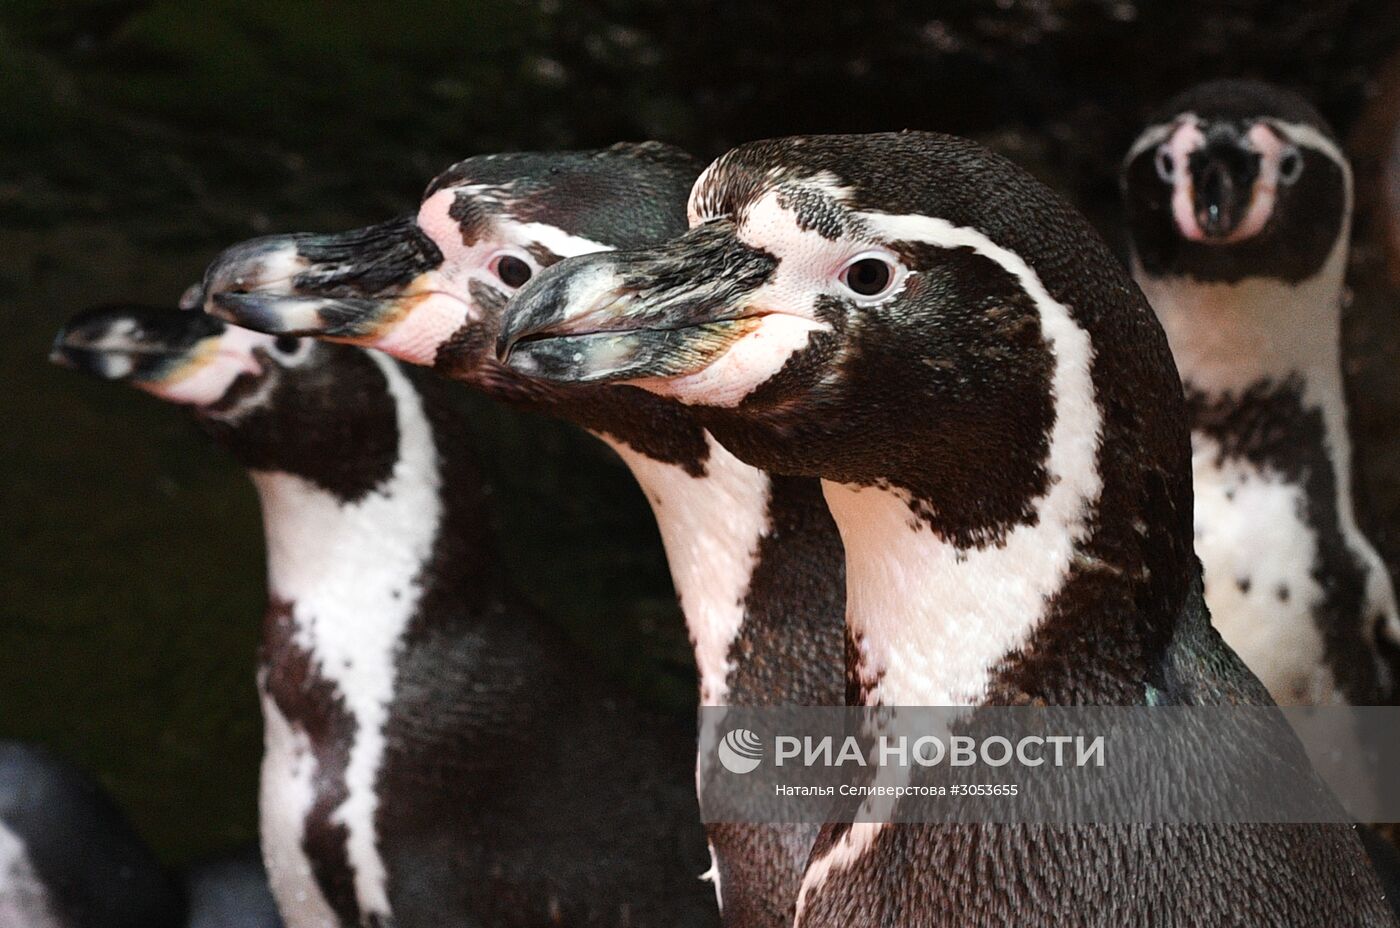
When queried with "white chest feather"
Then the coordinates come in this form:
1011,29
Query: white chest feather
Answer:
24,901
1258,555
285,796
710,527
351,573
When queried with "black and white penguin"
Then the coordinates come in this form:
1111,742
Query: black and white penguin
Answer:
69,858
230,891
755,559
435,752
1238,205
1000,434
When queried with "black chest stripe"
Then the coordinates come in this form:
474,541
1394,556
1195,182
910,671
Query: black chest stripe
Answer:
311,703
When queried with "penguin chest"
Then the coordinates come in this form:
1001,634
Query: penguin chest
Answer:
24,900
323,749
287,796
1259,554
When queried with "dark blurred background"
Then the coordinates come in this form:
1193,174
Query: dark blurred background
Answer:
139,136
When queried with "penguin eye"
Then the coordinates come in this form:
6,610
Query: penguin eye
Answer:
1166,165
869,276
286,344
512,271
1290,166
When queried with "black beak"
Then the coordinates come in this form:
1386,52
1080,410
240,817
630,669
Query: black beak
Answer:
618,316
1223,172
344,286
131,342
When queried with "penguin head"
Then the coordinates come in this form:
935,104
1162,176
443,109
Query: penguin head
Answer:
186,358
430,289
275,402
855,306
1236,179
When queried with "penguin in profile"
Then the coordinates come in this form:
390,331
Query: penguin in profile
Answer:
69,858
1001,437
1238,202
755,558
435,752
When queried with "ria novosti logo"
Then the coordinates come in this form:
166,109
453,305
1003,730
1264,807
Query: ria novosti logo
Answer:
740,751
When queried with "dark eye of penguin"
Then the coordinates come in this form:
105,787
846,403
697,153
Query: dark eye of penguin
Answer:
1166,165
512,271
286,344
868,276
1290,166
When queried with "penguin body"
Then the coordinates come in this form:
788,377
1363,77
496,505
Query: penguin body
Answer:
68,856
435,752
230,892
70,859
1239,208
1000,433
755,558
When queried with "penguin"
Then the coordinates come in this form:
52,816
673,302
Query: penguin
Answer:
1001,438
1238,202
230,891
755,558
435,752
69,858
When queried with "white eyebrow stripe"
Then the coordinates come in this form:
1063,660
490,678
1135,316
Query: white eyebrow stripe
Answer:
563,244
1300,134
1153,136
1306,136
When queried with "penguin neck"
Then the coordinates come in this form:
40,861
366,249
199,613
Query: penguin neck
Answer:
711,525
711,508
1234,343
362,567
931,618
373,596
1077,598
1229,337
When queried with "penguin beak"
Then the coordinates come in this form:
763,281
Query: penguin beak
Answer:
1222,181
125,342
360,287
182,356
630,316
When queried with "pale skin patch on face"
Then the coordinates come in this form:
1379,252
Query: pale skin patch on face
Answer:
212,368
1261,204
1264,139
1186,139
440,302
426,322
784,307
752,360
